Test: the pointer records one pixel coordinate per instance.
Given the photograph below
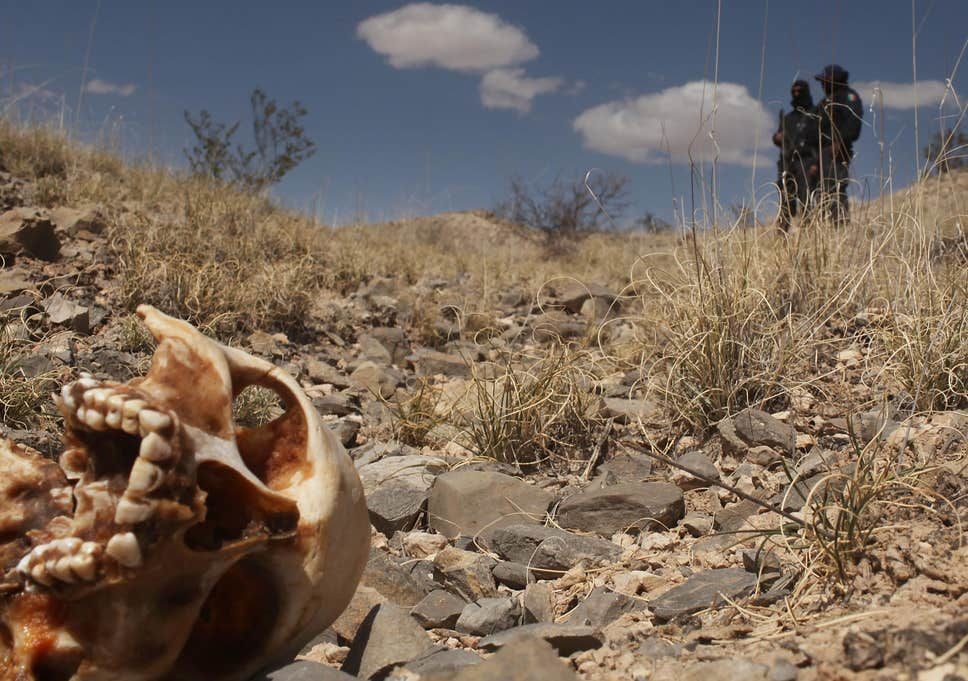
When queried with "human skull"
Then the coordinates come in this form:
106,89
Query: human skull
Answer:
173,543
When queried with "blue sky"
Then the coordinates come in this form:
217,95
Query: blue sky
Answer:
425,107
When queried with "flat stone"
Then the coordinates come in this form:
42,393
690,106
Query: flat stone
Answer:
434,363
572,294
24,230
74,221
467,573
67,313
630,411
321,372
706,589
567,639
374,351
754,427
602,607
734,516
726,670
391,580
337,404
488,615
438,609
557,325
388,636
364,600
346,431
512,574
697,524
394,339
548,551
380,381
397,489
525,659
439,662
469,503
13,281
699,462
538,603
626,468
621,508
305,671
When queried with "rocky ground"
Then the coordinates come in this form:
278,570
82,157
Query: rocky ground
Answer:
535,512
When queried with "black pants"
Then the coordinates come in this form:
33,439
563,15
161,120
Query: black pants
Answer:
834,177
795,186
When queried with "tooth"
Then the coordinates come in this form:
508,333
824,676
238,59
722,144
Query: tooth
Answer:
90,548
81,413
124,549
73,462
84,567
70,401
39,574
131,512
86,382
130,425
62,570
145,476
153,421
69,544
116,402
155,448
97,397
94,420
132,407
113,420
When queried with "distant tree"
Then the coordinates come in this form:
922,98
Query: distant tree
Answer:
946,151
281,144
653,224
567,208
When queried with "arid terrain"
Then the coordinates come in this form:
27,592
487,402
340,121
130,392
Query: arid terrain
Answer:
719,454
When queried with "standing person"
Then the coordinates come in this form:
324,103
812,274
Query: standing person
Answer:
797,139
841,115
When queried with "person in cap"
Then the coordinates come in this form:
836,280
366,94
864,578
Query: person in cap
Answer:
841,116
798,140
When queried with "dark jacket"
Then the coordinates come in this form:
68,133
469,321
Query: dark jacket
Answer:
798,130
841,118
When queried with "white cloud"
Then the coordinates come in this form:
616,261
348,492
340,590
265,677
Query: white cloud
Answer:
96,86
900,95
512,89
455,37
677,120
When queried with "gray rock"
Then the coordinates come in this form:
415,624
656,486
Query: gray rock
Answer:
630,411
538,603
512,574
753,427
654,648
432,363
548,551
373,350
374,450
78,222
726,670
488,615
602,607
394,340
321,372
388,637
346,430
734,516
392,581
305,671
557,325
438,609
626,468
706,589
466,573
23,230
699,462
472,502
525,659
337,404
567,639
697,524
67,313
397,488
380,381
572,294
439,662
621,508
597,309
873,424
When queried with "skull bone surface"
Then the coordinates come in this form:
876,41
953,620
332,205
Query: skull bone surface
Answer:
172,543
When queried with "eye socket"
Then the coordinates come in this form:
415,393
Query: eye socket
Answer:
256,406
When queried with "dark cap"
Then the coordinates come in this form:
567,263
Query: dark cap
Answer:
833,73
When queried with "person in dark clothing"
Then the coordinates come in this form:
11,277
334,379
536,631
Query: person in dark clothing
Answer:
841,116
797,139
